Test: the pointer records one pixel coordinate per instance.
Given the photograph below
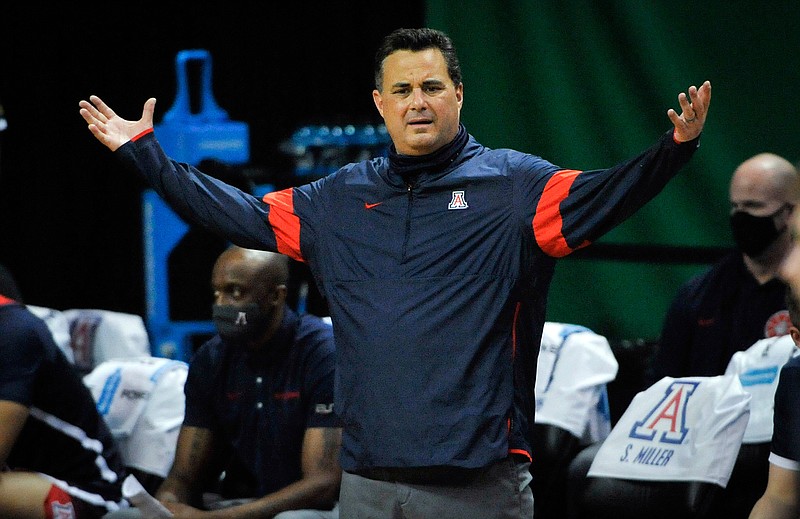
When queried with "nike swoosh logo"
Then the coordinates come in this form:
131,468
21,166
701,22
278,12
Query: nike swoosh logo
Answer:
370,206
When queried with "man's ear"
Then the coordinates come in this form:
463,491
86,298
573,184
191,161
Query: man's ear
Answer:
378,100
280,292
795,333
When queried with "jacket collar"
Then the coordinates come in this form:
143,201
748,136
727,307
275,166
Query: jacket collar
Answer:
414,169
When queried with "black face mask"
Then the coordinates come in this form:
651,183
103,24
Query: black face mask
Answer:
753,234
240,324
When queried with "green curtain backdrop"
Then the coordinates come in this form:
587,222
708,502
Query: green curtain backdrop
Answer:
587,84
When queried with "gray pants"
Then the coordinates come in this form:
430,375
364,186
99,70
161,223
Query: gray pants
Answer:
133,513
502,491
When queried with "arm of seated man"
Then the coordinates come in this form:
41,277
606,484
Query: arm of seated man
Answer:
191,468
317,489
20,492
780,497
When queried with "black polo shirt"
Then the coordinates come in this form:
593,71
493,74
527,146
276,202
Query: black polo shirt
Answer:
716,314
258,405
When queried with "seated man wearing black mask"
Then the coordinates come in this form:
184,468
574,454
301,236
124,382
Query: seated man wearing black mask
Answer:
740,299
259,430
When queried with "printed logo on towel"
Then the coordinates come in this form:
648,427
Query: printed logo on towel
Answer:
664,425
761,376
82,331
133,394
458,201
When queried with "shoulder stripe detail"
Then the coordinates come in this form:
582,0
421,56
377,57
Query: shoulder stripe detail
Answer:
284,222
140,135
78,434
548,222
6,300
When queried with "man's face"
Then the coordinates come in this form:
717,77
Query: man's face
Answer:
755,190
246,303
419,103
235,281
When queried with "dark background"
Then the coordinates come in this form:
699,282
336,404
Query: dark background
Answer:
583,84
588,84
71,231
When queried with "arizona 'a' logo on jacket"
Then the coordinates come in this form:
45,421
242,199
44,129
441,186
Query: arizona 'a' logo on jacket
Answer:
458,201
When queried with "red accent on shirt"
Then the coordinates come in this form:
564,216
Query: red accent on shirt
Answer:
139,136
288,395
514,332
522,452
284,222
548,222
58,504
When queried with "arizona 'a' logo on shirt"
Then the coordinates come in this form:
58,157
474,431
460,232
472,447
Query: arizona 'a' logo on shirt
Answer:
666,422
458,201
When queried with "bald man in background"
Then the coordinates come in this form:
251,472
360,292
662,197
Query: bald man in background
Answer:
259,405
740,299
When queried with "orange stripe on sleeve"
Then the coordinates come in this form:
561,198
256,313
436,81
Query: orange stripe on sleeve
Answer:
547,222
284,222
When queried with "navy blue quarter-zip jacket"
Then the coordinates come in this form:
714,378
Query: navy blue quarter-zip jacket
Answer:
437,288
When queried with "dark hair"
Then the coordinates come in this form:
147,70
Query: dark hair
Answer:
416,40
793,306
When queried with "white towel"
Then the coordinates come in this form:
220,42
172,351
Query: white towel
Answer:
758,369
100,335
574,366
143,403
685,429
57,322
